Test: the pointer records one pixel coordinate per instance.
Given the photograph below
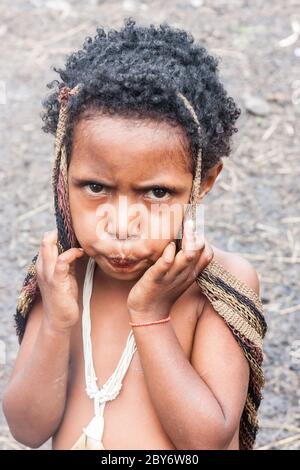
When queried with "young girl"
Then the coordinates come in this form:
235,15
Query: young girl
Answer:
131,340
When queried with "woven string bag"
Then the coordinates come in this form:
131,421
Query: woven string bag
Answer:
239,306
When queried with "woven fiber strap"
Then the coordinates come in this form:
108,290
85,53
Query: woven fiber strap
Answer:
233,300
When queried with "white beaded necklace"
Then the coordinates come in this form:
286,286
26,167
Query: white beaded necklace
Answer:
110,390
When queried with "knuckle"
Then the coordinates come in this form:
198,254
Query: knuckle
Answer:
61,265
190,255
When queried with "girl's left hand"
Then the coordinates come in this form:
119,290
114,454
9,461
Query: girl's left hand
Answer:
160,286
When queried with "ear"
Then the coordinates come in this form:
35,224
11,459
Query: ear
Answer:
210,179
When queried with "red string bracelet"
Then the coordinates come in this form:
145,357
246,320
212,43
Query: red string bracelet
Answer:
164,320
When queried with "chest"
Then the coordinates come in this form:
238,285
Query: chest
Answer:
110,329
130,419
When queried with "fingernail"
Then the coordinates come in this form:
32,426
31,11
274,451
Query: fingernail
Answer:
81,249
200,241
168,256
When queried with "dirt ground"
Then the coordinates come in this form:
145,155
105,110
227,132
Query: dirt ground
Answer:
254,207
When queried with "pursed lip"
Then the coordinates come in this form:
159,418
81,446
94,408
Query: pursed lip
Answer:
119,260
122,262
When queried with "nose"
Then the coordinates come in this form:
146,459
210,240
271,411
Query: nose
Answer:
123,227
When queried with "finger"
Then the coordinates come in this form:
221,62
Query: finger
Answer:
189,240
48,253
196,247
192,241
166,260
206,257
187,258
65,260
183,260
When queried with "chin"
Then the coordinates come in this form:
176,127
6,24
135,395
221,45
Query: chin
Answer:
124,276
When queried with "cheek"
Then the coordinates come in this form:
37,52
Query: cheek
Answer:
84,218
165,224
85,229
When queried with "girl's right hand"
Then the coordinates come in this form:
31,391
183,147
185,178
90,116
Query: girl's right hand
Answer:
57,282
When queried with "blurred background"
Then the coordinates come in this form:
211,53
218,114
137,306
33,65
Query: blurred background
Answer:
254,208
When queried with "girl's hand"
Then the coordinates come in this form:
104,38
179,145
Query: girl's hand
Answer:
154,294
57,282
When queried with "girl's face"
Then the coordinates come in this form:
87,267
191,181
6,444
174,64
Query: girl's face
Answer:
128,183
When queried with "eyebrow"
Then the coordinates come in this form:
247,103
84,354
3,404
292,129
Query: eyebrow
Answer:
142,186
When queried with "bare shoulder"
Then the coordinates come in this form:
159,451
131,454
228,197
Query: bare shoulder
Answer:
240,267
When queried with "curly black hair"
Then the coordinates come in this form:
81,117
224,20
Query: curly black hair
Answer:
136,72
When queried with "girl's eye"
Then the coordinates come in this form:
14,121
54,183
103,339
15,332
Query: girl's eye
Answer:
160,192
95,187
